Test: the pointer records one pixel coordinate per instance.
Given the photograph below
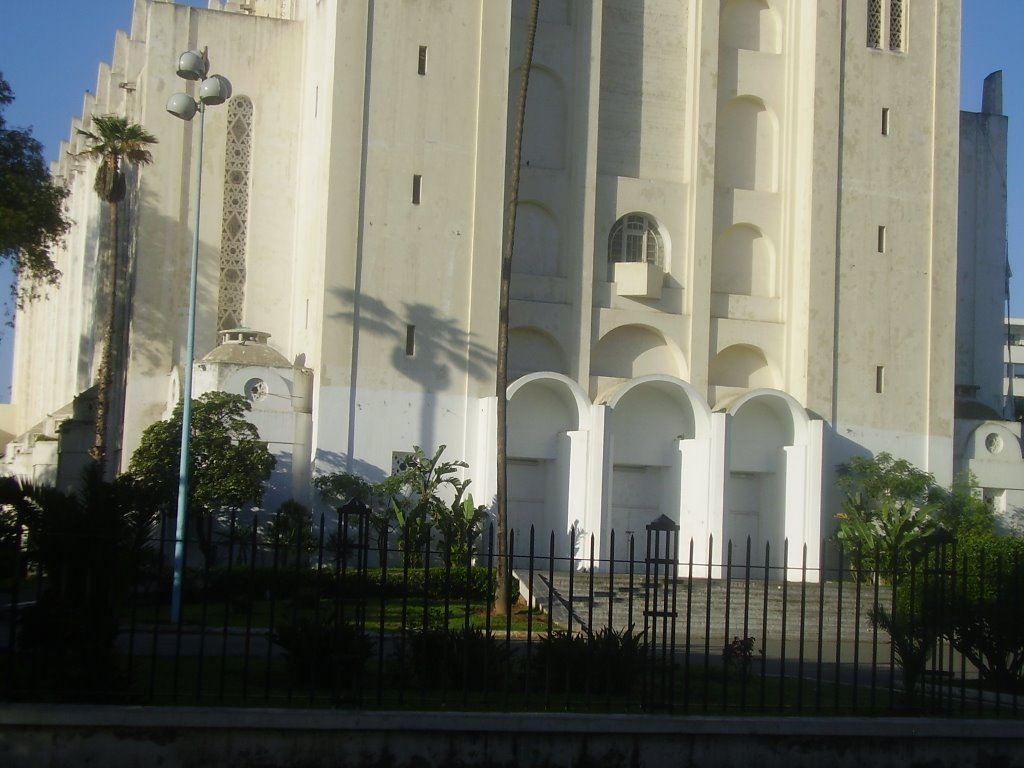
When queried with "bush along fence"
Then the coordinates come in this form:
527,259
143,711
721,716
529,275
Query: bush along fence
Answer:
323,614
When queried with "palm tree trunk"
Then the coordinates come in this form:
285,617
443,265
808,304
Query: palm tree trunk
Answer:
501,598
105,373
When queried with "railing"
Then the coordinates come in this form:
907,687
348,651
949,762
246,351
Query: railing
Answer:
329,618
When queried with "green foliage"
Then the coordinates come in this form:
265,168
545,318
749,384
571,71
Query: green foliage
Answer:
913,633
413,502
464,659
423,480
340,488
606,662
88,548
979,609
739,653
228,463
32,219
323,652
290,532
219,583
115,141
961,512
887,509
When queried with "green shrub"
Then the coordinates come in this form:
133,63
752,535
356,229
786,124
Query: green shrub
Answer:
463,659
980,608
606,662
238,585
323,652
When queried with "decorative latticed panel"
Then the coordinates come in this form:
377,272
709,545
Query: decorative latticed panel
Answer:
235,226
874,23
896,25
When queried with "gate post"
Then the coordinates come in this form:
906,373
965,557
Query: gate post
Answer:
661,574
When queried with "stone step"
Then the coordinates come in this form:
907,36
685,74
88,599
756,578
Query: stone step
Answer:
829,610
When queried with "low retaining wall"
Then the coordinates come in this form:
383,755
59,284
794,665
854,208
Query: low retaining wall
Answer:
123,737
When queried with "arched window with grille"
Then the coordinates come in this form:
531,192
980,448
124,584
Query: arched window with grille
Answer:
635,239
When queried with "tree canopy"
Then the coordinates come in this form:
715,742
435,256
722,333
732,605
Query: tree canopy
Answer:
228,463
115,141
32,219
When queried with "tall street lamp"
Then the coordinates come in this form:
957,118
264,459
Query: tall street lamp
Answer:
213,90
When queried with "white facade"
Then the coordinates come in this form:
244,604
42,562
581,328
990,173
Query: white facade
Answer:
987,432
735,248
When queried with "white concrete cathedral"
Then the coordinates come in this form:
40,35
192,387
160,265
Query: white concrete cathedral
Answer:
735,266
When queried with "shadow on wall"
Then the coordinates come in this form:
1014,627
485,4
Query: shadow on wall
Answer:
425,347
327,462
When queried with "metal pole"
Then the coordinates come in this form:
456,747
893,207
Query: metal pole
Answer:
186,410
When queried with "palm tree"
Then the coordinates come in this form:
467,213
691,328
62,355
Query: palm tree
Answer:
501,388
114,142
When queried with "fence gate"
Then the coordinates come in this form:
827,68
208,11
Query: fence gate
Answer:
659,638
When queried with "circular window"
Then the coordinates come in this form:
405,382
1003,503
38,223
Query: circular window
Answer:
994,443
256,390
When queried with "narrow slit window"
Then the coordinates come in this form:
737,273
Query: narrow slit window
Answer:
881,239
417,188
879,379
421,66
410,340
885,121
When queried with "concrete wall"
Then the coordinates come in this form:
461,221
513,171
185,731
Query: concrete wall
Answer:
118,737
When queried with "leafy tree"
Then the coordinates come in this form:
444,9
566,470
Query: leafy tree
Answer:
291,530
87,547
412,501
114,142
888,511
340,488
962,512
228,463
32,220
978,611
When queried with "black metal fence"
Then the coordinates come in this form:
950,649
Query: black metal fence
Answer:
329,616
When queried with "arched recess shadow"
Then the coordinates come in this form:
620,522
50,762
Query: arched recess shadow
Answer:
550,11
743,262
538,241
750,25
631,351
766,425
656,423
742,366
747,145
544,132
531,350
544,410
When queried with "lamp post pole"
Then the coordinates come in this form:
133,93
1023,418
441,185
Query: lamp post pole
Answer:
192,65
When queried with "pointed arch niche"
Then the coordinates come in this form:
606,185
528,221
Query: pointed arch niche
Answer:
747,145
743,262
750,25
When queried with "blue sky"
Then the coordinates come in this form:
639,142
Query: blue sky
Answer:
50,51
